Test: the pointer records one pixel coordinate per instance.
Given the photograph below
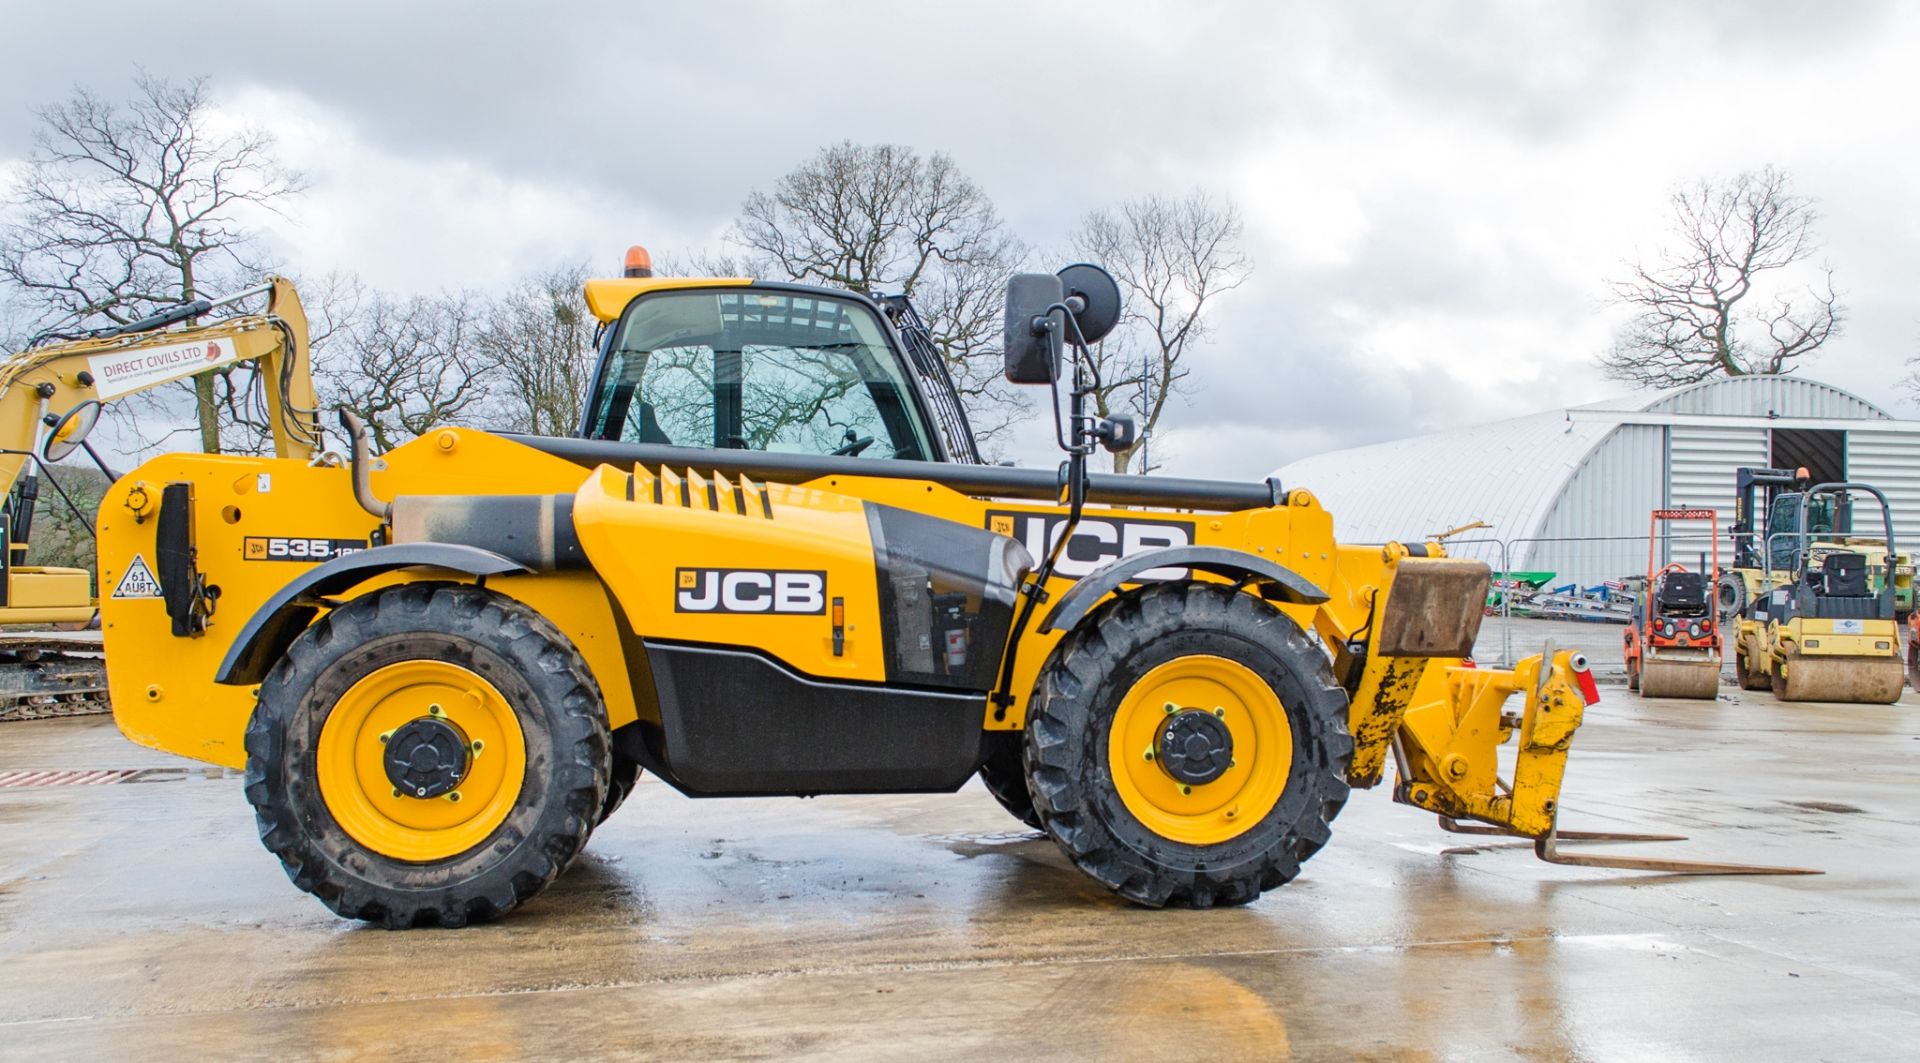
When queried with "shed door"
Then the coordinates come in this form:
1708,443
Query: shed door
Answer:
1820,451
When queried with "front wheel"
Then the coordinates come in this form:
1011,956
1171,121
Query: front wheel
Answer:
429,754
1188,746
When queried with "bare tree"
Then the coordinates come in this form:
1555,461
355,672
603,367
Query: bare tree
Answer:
883,218
406,365
1692,318
126,209
538,338
1173,257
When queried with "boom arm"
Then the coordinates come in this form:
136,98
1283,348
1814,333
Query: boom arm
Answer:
50,380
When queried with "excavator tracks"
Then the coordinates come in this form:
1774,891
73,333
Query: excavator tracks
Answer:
46,674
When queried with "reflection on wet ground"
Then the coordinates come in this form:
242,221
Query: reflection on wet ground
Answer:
148,919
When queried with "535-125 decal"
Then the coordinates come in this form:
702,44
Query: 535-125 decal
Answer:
298,548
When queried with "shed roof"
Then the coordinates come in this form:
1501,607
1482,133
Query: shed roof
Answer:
1510,473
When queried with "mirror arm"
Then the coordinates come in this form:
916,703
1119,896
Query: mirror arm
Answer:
97,460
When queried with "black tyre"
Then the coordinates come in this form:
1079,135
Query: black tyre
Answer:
1730,594
623,775
1003,770
471,701
1243,746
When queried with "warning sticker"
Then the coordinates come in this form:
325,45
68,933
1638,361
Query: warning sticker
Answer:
138,582
119,373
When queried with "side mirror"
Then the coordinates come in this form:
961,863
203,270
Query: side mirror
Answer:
71,431
1032,343
1098,308
1035,339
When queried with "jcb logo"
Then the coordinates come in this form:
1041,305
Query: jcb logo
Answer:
749,590
1095,542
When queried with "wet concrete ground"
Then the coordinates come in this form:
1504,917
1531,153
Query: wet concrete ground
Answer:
144,920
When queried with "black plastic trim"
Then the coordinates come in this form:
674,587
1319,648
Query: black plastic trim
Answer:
1275,582
734,722
991,481
272,628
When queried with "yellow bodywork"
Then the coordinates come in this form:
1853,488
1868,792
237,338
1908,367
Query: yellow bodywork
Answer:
37,595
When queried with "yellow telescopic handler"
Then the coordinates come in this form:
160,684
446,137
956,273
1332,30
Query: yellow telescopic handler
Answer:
771,563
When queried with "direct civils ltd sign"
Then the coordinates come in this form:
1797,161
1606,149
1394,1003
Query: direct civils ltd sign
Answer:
124,372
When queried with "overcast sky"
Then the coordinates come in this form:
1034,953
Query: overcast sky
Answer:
1434,192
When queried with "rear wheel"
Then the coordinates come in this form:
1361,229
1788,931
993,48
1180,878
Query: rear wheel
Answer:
1004,773
429,754
1188,746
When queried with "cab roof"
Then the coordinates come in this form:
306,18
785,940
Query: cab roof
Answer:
608,297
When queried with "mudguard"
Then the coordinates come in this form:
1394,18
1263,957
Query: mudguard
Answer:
1276,583
273,627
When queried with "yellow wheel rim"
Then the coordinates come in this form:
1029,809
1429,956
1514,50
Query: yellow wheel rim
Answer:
352,771
1229,806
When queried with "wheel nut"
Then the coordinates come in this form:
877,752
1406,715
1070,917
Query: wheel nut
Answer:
454,797
433,710
1220,712
385,736
1171,708
478,746
1148,755
1185,789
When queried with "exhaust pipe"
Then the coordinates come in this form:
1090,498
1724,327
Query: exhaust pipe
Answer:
363,467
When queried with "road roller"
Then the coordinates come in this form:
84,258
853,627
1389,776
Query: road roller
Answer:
1672,644
1827,635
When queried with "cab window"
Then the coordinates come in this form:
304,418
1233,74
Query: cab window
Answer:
745,369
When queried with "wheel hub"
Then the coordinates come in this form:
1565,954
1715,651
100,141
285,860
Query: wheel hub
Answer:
426,757
1194,747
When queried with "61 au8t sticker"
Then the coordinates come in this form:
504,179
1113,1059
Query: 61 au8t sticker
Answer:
292,548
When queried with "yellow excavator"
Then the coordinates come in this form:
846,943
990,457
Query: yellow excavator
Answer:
51,396
770,563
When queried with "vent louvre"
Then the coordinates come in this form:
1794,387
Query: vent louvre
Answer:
688,489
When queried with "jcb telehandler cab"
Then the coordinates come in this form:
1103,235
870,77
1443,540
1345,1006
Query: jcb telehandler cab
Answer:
761,571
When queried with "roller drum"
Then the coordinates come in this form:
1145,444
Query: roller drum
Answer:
1851,680
1669,677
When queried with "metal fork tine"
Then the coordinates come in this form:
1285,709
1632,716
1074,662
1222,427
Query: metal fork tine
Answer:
1447,823
1545,849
